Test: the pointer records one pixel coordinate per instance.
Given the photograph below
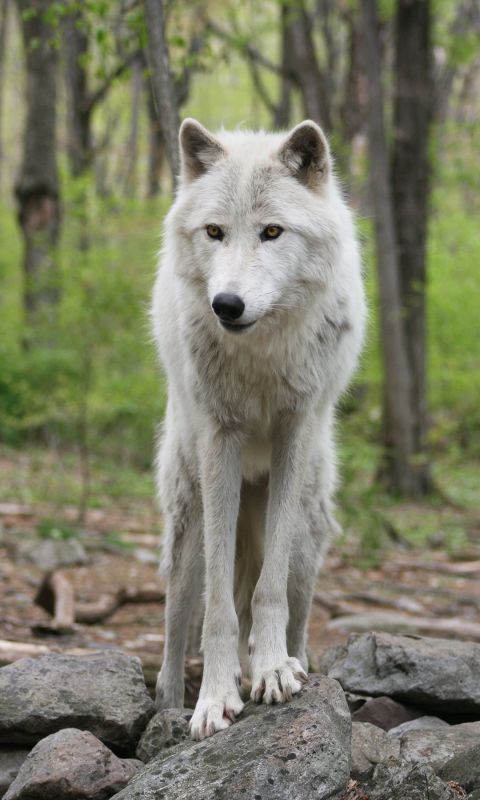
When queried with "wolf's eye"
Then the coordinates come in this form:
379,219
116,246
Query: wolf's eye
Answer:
271,232
215,232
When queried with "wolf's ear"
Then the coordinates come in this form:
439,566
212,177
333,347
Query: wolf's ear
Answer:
306,154
198,148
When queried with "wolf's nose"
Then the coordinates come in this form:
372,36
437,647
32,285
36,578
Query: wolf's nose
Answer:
228,306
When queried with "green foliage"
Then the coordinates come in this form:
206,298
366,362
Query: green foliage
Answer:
96,369
54,529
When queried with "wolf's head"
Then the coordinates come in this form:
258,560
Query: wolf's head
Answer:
256,222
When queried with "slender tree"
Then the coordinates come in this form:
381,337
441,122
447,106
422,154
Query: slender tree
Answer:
79,134
156,145
281,117
309,74
37,189
4,6
131,160
412,112
397,384
83,98
163,87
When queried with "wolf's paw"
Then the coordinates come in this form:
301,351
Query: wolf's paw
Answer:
215,713
280,684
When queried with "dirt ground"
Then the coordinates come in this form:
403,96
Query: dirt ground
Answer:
410,591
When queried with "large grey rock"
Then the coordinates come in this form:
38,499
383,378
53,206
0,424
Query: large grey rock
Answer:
370,746
104,693
439,745
419,724
294,751
71,765
49,554
166,729
394,780
464,768
11,759
385,712
429,673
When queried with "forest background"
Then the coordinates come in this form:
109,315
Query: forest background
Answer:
88,120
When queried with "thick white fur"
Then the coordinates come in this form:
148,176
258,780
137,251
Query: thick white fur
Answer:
246,465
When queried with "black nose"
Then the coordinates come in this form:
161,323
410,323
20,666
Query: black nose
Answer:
228,306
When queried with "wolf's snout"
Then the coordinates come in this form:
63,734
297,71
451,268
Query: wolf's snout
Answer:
228,306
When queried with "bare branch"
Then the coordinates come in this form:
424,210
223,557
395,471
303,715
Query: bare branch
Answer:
249,50
97,96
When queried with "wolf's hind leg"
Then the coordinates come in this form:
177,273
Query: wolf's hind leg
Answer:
308,550
183,564
301,583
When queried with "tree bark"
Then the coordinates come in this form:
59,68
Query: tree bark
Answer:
412,110
79,139
310,77
397,387
282,114
130,174
3,42
37,189
161,79
156,145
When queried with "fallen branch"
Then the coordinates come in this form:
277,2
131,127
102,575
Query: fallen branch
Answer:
57,597
461,569
100,610
340,603
12,651
390,621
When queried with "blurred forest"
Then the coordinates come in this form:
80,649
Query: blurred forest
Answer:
91,94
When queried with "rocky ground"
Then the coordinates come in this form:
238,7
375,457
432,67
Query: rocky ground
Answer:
82,712
391,717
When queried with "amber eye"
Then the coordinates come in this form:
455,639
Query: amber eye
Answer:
215,232
271,232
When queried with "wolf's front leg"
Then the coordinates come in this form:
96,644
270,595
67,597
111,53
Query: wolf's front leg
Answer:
219,701
275,675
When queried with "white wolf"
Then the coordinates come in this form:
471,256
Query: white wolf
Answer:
258,315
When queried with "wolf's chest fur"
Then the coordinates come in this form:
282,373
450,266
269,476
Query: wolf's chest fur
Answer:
248,383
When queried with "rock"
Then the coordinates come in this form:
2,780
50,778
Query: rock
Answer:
292,751
167,728
437,746
11,759
436,674
355,701
370,746
104,693
464,768
422,723
385,713
71,765
49,554
394,780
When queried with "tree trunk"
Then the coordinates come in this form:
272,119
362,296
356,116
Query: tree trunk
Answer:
283,109
130,174
161,80
353,111
3,41
413,93
397,388
156,146
79,139
37,189
310,78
